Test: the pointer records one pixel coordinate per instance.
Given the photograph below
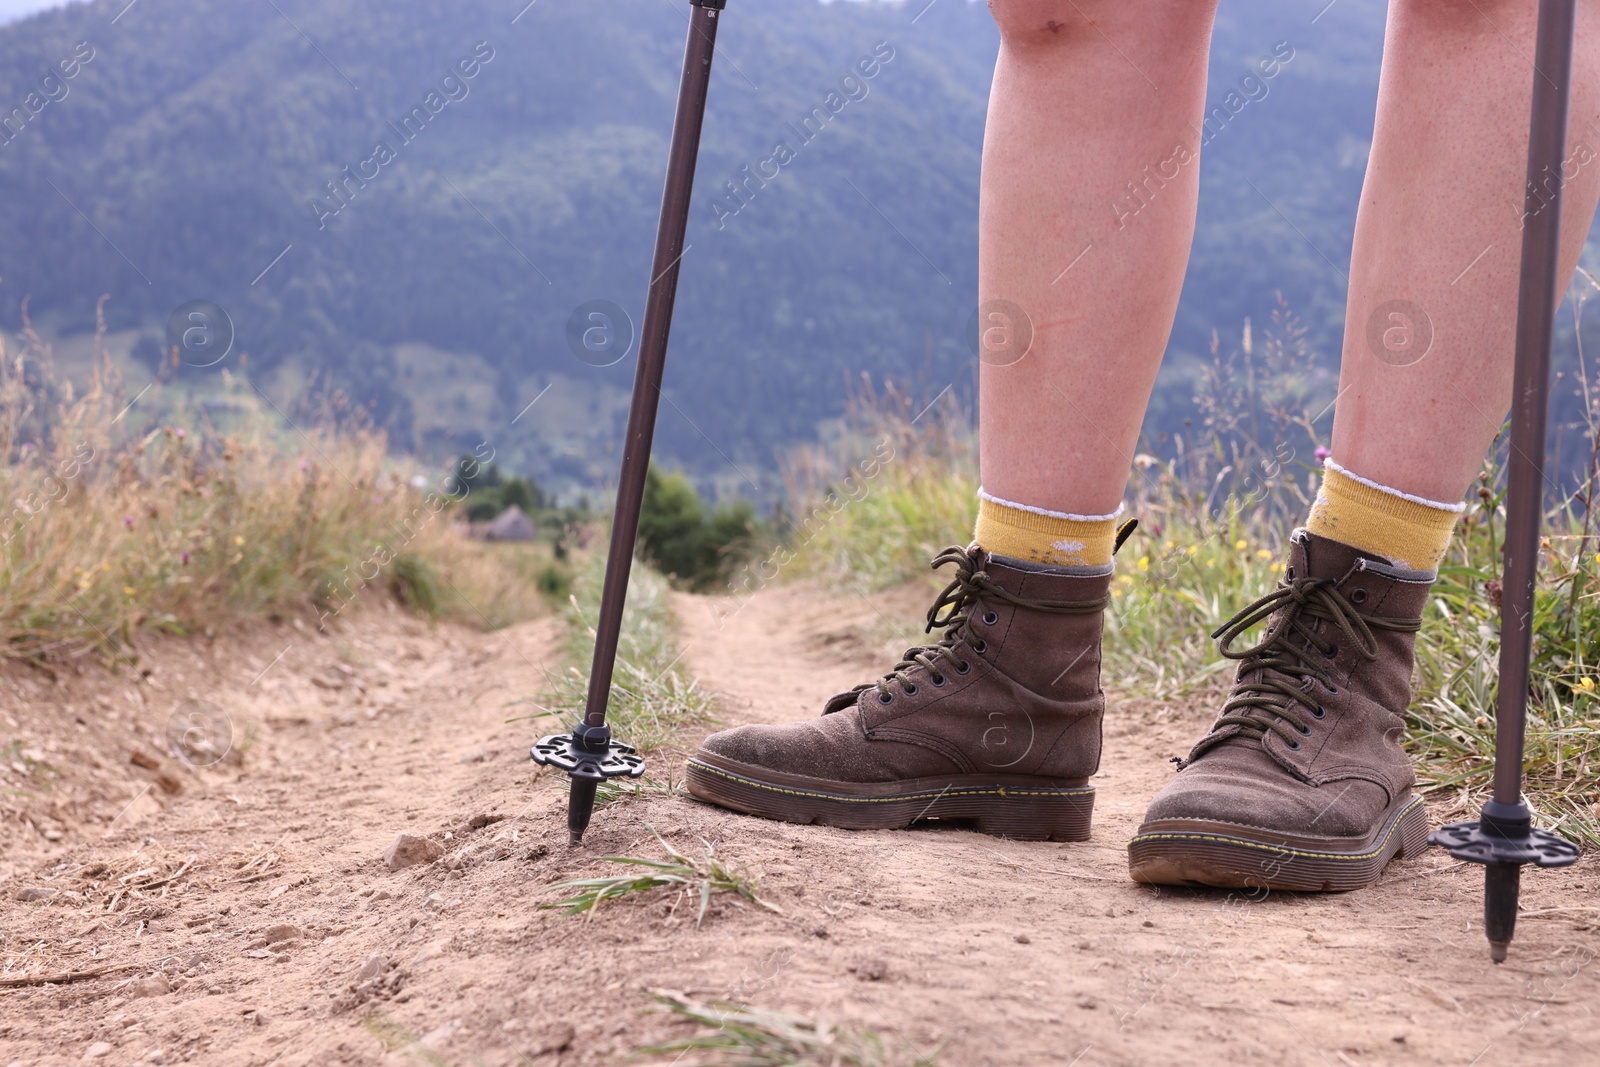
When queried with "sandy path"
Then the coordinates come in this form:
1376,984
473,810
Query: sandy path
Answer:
1010,953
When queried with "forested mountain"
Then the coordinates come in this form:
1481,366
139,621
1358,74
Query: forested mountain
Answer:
410,200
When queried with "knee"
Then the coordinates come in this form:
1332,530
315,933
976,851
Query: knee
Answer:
1066,24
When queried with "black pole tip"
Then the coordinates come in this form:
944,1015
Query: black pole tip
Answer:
1497,950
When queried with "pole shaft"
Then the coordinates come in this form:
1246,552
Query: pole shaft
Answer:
652,349
1536,308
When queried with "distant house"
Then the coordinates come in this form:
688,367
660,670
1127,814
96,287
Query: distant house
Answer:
512,524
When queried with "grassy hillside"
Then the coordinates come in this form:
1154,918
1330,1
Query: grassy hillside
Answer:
195,141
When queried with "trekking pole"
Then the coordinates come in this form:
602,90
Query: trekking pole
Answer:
1503,839
588,754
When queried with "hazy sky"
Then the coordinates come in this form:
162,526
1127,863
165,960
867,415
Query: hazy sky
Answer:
11,10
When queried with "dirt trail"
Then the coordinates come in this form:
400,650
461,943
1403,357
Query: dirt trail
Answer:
249,919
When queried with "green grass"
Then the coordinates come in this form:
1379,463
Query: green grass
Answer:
689,877
652,698
742,1036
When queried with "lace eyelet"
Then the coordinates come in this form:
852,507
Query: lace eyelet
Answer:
1305,731
963,667
1289,573
910,690
1330,688
886,698
1292,744
980,646
1320,712
1332,653
990,618
1358,597
938,680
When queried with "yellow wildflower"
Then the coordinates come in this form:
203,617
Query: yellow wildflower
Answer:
1240,545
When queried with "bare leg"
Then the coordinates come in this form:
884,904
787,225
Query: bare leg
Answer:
1439,241
1088,97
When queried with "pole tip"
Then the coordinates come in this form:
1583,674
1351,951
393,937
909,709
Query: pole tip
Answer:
1497,950
575,838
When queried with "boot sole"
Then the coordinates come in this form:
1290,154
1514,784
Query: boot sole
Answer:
1000,805
1199,852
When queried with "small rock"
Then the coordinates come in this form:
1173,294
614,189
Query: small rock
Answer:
408,850
1086,944
428,952
154,986
282,932
476,755
140,758
553,1037
439,1037
1147,922
478,822
38,892
373,968
1023,939
158,1057
872,970
96,1050
1087,1003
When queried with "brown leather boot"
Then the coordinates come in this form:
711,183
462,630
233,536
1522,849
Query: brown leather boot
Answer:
1301,783
998,724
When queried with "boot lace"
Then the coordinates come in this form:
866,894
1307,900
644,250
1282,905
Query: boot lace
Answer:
970,590
1275,688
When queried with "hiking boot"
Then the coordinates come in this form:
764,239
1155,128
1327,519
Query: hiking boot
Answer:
1301,783
997,725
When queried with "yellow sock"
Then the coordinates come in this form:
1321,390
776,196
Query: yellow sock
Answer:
1039,536
1406,530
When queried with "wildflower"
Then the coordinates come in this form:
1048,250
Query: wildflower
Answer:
1586,683
1193,549
1240,545
127,520
129,590
185,557
1322,453
181,434
238,540
1263,554
1144,563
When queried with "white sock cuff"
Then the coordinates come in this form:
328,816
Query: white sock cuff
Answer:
1370,484
1050,514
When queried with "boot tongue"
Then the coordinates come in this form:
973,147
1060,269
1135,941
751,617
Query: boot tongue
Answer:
1314,556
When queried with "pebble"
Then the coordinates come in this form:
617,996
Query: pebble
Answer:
282,932
872,970
96,1050
374,967
1023,939
555,1037
154,986
38,892
408,850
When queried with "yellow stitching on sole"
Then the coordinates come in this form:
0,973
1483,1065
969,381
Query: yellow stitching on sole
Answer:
997,791
1281,849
